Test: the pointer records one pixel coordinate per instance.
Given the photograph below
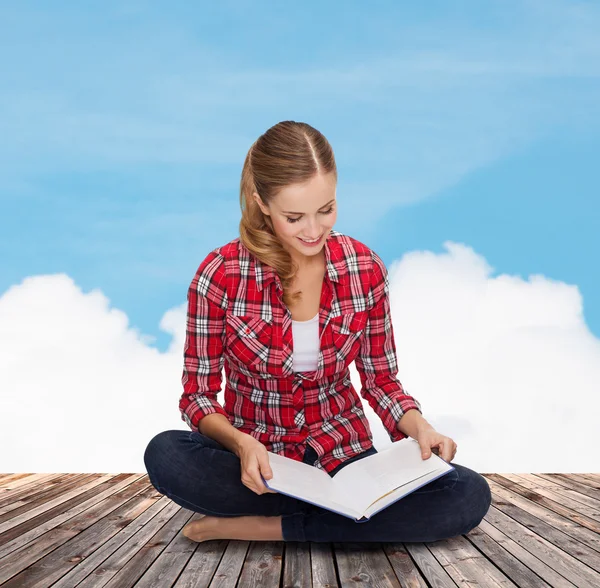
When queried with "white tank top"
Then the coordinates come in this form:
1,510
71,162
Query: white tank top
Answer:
306,344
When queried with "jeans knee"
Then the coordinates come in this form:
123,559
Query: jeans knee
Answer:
159,451
480,499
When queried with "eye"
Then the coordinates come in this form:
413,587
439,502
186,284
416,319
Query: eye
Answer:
295,220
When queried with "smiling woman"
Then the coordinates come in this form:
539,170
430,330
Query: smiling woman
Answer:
285,309
302,233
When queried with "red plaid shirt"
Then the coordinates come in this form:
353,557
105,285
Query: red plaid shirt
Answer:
236,317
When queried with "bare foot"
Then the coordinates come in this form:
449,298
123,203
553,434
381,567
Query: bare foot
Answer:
202,529
248,528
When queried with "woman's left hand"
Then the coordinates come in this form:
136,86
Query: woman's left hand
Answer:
429,439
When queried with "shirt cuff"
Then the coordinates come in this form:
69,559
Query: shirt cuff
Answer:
394,412
199,407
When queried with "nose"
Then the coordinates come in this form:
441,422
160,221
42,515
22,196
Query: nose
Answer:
314,230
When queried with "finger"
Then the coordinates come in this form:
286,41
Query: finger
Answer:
454,452
426,449
445,451
248,483
266,488
257,481
441,451
265,468
267,473
253,477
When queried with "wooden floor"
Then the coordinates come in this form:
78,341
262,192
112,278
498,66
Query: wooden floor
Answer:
117,531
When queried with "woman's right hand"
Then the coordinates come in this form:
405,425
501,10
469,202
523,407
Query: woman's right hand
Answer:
254,462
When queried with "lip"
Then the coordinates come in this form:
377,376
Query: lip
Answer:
311,244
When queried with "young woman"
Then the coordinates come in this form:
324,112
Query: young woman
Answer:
285,308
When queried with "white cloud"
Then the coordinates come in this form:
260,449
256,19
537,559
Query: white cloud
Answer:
504,366
81,389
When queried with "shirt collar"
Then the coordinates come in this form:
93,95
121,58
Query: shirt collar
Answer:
335,260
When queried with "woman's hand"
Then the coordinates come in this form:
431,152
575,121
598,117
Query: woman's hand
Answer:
443,446
254,462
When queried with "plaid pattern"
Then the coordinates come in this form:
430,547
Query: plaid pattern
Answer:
236,319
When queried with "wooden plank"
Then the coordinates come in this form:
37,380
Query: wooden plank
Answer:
167,567
13,499
201,567
407,573
227,574
514,569
567,524
84,544
135,546
540,531
39,506
570,567
98,562
585,480
322,565
466,565
572,499
28,482
132,571
28,562
539,497
25,483
263,565
537,566
430,567
366,563
568,482
297,572
10,478
41,498
566,543
562,488
30,530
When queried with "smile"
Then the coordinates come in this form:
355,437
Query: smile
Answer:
311,243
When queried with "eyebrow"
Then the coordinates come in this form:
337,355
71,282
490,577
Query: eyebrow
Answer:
324,205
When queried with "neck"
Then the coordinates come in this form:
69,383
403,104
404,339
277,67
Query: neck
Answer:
313,262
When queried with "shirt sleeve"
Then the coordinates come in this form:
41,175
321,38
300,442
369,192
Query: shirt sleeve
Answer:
204,342
376,361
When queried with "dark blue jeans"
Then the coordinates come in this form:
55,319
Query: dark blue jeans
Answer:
200,474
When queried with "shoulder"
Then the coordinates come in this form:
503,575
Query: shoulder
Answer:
219,259
358,255
211,277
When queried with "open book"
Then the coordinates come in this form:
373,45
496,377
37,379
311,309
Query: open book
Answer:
364,487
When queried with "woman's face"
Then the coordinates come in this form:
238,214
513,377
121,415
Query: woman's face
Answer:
304,211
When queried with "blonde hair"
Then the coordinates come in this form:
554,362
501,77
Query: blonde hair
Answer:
288,153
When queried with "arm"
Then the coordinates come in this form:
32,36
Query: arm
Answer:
218,427
411,423
204,342
377,365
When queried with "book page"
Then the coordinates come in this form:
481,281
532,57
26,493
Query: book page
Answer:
407,488
371,478
303,481
307,483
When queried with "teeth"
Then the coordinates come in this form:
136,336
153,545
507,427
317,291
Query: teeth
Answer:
313,241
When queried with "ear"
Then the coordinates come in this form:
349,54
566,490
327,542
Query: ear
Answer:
264,209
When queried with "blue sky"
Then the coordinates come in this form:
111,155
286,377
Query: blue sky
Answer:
124,126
